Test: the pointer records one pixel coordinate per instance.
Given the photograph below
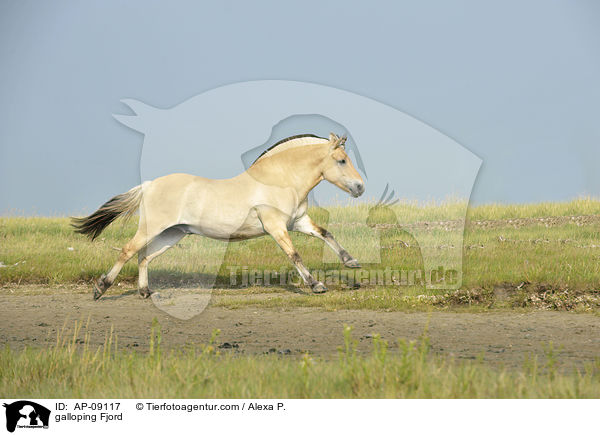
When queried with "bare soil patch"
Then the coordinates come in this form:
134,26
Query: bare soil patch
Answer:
34,316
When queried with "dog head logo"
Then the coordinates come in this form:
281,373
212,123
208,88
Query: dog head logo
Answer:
387,147
26,414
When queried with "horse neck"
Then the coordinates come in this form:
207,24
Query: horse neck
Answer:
298,168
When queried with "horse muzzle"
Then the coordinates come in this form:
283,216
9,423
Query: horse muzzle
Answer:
356,189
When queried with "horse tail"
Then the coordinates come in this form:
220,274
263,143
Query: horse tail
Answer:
125,204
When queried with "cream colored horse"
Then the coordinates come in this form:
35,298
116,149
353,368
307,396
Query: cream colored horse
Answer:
269,198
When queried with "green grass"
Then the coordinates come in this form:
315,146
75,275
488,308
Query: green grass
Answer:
512,263
520,262
71,370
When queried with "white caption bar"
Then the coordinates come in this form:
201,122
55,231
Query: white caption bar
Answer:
150,416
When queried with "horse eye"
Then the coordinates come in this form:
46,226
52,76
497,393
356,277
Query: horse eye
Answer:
342,162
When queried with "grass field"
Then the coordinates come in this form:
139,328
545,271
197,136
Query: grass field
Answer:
69,371
514,257
537,255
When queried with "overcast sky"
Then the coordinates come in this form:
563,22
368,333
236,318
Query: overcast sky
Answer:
516,83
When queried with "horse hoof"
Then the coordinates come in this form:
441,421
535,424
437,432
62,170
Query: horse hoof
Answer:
145,292
352,263
318,287
97,292
100,287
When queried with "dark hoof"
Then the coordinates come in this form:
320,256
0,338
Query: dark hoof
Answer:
352,263
99,288
97,293
318,287
145,292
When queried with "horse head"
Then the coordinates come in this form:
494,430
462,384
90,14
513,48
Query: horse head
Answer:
338,168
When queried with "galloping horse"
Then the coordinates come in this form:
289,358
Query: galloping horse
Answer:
269,198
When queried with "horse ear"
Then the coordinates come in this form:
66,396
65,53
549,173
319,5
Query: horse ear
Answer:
336,141
144,114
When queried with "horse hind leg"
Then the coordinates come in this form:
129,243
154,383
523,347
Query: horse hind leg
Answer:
129,250
165,240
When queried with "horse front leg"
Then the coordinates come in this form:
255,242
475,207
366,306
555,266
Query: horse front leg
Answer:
307,226
275,226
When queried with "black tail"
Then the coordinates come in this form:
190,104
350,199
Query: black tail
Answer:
124,204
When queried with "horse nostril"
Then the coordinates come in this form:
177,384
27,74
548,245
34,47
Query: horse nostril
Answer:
359,188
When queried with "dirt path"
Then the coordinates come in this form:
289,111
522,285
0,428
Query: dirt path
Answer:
503,337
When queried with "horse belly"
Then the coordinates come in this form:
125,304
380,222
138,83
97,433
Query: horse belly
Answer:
247,229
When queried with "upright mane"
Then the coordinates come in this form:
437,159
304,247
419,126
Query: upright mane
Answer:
290,142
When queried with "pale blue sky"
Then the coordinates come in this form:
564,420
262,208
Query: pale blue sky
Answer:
516,83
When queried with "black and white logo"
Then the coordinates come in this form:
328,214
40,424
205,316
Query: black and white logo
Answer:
26,414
